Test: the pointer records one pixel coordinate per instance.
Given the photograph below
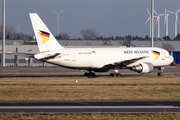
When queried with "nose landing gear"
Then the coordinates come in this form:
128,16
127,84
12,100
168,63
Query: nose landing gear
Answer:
160,73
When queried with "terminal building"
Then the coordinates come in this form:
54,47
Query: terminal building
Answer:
17,46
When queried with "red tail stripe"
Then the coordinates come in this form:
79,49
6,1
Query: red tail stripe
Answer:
44,34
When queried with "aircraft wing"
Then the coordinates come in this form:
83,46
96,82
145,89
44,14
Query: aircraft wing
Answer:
24,54
124,63
128,62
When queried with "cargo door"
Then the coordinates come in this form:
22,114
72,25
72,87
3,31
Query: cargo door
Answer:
162,55
73,57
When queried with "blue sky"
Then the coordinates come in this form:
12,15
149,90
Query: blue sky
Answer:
109,17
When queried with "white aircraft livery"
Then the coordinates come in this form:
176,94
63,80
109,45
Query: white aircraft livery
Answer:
139,59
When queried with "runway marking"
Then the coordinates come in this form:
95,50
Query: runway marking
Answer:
86,107
9,70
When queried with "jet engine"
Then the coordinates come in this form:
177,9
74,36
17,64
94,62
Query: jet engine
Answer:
143,68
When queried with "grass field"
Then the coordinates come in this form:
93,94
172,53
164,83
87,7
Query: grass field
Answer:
163,116
132,87
127,87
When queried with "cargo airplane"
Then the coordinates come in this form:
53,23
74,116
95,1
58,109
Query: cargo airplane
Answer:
139,59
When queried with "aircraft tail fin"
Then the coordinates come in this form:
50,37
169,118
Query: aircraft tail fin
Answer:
45,39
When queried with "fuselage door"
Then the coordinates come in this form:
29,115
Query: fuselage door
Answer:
162,55
73,57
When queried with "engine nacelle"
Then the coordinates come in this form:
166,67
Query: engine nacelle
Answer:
143,68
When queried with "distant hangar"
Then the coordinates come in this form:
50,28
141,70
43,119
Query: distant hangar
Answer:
17,45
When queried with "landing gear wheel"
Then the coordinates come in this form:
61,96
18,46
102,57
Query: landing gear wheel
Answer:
92,74
86,74
160,74
89,74
160,71
115,74
111,74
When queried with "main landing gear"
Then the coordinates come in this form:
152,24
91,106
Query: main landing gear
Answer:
90,74
160,73
115,74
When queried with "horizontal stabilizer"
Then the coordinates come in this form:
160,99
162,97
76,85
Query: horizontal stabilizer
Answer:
45,55
24,54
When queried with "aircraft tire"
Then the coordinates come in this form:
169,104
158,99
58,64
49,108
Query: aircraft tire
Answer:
111,74
118,75
115,74
92,74
89,74
160,74
86,74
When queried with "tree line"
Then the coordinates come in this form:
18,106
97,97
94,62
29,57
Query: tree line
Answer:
92,34
11,34
86,34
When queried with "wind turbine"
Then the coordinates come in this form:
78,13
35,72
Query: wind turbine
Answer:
158,21
58,19
166,22
19,29
149,19
176,20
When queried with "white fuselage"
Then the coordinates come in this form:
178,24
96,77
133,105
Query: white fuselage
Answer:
96,58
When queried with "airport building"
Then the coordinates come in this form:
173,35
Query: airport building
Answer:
17,46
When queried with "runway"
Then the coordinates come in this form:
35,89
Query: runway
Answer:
62,69
88,107
57,72
82,107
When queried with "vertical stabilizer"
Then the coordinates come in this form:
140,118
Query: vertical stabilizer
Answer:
45,39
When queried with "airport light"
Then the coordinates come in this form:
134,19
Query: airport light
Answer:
149,19
58,19
3,41
152,23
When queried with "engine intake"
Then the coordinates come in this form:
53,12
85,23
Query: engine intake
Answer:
143,68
